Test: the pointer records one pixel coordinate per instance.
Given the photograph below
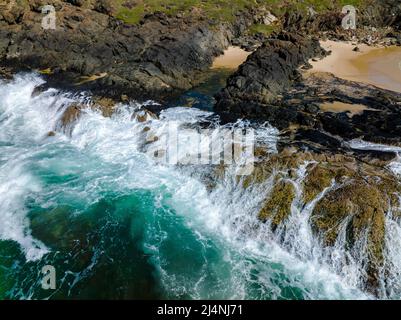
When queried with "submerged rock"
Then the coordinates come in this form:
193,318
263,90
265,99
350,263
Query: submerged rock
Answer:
71,114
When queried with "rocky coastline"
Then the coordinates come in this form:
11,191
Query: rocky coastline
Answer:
157,59
166,55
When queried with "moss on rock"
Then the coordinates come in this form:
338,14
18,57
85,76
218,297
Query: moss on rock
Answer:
358,203
321,175
278,206
365,205
71,114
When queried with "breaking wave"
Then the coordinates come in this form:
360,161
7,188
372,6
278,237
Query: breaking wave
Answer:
200,234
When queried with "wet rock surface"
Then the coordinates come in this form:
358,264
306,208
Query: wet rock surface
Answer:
344,201
318,180
269,71
91,50
270,87
346,194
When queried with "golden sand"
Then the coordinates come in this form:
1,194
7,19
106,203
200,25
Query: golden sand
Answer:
232,58
336,106
373,65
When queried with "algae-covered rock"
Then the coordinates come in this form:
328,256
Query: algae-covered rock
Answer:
321,175
364,206
357,199
74,111
352,211
278,206
71,114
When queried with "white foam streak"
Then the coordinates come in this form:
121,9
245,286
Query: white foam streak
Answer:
394,166
114,152
294,247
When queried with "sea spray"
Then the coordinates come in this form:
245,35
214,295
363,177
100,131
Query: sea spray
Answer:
199,242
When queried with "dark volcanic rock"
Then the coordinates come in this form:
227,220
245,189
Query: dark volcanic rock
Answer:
271,70
319,137
269,87
157,59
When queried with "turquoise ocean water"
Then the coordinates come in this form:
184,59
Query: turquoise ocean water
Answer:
117,225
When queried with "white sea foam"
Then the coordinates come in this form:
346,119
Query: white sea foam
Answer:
113,154
394,166
16,184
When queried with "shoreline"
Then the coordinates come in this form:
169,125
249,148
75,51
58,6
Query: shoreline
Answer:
231,59
370,65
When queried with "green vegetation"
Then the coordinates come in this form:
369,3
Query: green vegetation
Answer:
131,16
262,28
278,206
132,11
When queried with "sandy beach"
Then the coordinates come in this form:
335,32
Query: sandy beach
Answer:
373,65
352,109
232,58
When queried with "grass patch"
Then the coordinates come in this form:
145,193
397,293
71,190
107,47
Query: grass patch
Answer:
132,11
131,16
262,28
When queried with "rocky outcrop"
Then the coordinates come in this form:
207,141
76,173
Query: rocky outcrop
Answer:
157,58
379,122
347,200
277,208
376,22
347,195
382,14
72,113
91,50
269,71
357,209
269,87
363,206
